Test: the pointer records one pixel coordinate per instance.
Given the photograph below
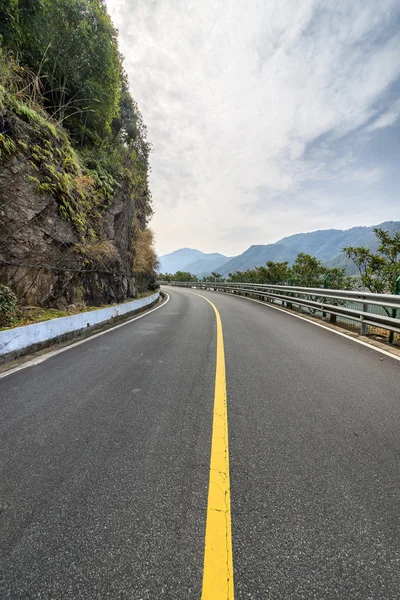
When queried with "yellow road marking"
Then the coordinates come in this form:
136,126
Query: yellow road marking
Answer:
218,563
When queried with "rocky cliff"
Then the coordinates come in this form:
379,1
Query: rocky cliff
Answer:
65,236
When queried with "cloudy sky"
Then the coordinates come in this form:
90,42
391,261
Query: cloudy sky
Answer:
267,117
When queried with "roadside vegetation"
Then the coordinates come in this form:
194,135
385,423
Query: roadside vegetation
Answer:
378,271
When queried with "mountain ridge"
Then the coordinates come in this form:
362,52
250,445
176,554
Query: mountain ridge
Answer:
324,244
183,258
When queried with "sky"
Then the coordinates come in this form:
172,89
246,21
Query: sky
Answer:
267,117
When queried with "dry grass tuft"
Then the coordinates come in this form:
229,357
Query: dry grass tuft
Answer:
100,253
146,259
84,182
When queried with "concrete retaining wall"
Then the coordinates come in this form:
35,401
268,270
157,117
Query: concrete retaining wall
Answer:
16,341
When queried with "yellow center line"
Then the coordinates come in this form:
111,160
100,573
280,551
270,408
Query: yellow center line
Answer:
218,563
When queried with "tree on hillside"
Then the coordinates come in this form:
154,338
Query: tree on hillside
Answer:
277,272
178,276
164,277
72,46
249,276
378,270
274,273
337,279
14,17
216,276
306,271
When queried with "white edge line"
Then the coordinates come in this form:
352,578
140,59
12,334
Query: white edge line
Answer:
349,337
40,359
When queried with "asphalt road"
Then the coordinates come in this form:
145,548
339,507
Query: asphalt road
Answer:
105,458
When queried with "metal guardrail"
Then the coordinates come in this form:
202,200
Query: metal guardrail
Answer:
366,308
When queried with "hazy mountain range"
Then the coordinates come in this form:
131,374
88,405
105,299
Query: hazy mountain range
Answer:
325,244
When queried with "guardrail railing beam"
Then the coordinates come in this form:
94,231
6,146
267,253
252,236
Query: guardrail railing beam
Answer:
332,302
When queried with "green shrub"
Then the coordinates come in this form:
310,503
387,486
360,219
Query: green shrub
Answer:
8,302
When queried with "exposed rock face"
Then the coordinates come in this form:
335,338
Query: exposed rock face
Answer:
32,233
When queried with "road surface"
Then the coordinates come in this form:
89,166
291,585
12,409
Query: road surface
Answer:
105,460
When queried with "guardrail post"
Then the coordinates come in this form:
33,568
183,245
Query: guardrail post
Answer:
325,285
364,325
394,310
289,304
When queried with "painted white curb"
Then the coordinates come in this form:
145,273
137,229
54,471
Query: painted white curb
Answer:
19,338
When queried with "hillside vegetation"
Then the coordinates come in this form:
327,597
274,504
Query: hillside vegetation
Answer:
74,158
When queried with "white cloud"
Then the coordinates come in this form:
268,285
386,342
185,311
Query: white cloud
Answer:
386,119
232,93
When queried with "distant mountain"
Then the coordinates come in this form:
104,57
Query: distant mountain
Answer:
325,244
256,256
207,264
191,260
177,260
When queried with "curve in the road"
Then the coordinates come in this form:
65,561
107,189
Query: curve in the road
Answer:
105,461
